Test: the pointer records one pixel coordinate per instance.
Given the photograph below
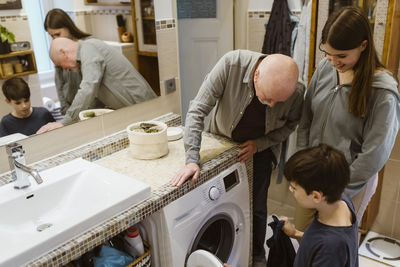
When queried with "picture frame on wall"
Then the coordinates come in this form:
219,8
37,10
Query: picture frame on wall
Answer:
10,4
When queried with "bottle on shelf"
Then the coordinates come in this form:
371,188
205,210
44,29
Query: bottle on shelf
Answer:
134,244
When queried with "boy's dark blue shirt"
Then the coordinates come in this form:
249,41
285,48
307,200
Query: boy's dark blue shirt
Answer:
27,126
324,245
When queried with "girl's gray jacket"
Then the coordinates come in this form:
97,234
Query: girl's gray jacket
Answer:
366,142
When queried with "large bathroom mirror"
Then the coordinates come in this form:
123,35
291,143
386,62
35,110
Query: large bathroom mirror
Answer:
102,22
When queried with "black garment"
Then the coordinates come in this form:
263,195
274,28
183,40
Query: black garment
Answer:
333,246
27,126
278,35
262,168
250,127
252,124
281,251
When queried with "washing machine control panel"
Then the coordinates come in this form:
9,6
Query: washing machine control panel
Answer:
214,193
223,183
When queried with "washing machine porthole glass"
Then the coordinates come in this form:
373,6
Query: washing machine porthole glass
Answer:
216,236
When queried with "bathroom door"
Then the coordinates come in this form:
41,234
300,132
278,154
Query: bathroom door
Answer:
205,30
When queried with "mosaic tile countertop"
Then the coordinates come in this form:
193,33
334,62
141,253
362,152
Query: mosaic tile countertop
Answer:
218,154
158,172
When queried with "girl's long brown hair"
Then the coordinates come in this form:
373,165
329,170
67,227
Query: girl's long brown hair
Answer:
57,19
346,29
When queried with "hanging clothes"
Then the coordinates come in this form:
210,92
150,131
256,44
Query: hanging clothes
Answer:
281,250
279,29
295,22
302,45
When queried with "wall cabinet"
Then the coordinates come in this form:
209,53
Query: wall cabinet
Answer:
146,26
144,35
17,64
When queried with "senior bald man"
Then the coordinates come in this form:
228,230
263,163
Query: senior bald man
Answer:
258,102
106,74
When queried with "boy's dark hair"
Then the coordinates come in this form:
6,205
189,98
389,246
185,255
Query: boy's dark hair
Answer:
321,168
16,89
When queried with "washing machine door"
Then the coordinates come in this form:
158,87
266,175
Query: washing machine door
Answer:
203,258
216,236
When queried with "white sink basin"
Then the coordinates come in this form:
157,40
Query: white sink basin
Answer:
72,198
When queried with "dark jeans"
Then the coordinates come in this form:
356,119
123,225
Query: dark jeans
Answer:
262,168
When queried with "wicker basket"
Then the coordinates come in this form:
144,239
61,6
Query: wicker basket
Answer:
145,259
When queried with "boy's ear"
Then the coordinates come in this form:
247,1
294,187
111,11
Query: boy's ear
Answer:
317,196
7,101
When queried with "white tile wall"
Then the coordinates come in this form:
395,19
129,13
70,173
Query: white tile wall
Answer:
255,33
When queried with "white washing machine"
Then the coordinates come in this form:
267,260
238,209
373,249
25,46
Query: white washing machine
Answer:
214,217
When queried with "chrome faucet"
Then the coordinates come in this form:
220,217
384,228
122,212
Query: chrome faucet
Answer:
19,170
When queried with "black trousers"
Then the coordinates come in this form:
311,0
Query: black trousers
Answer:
262,168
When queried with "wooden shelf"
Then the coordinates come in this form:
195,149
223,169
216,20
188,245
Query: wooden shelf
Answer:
16,54
14,57
17,74
147,54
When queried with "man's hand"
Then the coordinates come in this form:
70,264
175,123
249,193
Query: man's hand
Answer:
249,148
191,169
49,126
289,229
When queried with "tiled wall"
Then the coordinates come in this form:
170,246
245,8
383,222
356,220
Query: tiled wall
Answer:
256,29
167,45
95,21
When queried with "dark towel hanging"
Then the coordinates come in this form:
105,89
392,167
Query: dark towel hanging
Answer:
281,251
279,29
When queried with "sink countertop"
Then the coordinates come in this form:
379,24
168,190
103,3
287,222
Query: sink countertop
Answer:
217,154
158,172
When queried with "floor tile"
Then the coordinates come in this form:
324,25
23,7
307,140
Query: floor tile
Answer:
366,262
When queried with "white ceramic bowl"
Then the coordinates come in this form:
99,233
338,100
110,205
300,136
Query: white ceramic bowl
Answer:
144,145
174,133
97,112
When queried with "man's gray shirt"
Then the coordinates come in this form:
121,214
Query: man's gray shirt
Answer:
107,75
229,88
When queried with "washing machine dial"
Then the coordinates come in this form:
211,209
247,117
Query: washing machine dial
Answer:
214,193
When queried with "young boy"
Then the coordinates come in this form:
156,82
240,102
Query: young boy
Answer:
317,178
23,119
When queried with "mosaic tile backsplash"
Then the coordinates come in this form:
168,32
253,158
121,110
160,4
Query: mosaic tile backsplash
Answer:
165,24
161,196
